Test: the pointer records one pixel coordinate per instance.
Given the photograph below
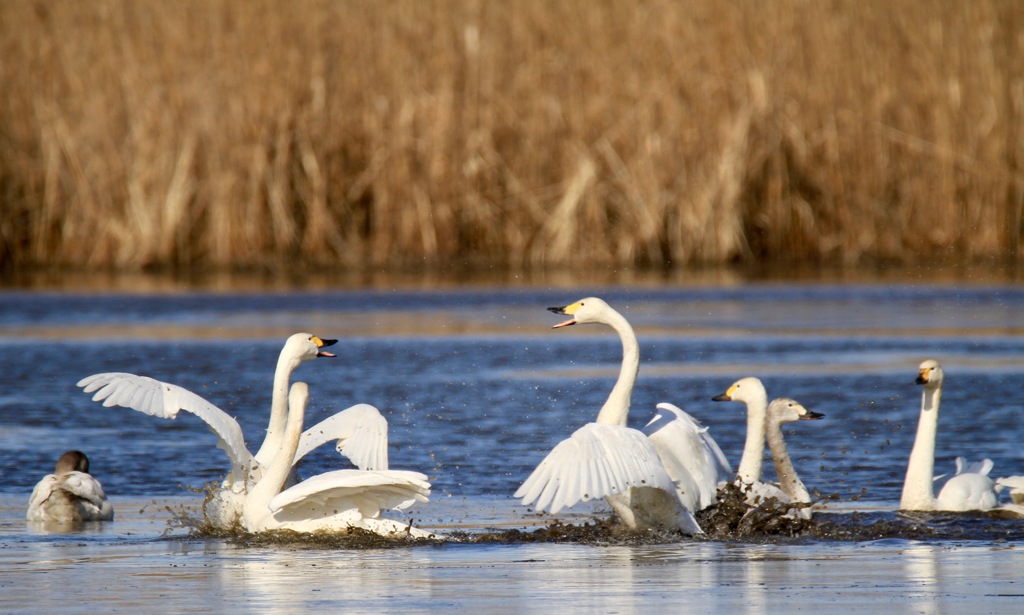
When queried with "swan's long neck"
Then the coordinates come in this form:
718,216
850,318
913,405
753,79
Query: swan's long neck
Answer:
275,475
788,479
753,451
616,409
917,487
278,409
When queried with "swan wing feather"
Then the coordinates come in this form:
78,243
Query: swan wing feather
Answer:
361,433
690,455
982,467
83,486
596,461
165,400
368,490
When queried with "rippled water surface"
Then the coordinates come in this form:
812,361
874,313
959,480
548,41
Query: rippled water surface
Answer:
477,388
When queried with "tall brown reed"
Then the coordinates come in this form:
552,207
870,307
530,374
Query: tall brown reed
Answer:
138,133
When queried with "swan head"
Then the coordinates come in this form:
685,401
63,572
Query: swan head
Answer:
745,390
929,374
583,312
306,346
72,461
786,410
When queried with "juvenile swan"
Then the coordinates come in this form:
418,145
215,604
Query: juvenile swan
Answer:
69,495
607,459
785,410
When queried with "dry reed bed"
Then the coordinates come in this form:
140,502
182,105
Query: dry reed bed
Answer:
139,133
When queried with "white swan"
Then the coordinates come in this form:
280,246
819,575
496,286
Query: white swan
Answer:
780,411
360,431
70,495
752,393
334,501
969,489
648,481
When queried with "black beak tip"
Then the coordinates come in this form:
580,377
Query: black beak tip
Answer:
557,310
722,397
329,342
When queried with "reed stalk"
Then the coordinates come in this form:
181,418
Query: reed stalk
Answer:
343,133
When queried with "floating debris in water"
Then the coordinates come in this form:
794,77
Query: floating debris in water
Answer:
732,519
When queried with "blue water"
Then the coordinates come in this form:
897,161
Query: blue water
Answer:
477,387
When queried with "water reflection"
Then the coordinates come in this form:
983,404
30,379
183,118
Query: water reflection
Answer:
134,570
921,571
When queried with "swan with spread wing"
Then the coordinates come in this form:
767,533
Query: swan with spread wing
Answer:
655,479
360,431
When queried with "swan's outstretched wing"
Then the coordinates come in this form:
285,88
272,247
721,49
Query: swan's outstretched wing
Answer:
361,432
164,400
690,455
596,461
367,490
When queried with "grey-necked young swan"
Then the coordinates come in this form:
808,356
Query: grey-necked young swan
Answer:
70,495
780,412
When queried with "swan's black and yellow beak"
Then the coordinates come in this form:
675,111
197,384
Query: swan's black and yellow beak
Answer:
321,343
811,416
727,396
568,310
922,377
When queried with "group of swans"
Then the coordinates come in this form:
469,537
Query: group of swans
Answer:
659,477
764,423
652,479
70,495
261,491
